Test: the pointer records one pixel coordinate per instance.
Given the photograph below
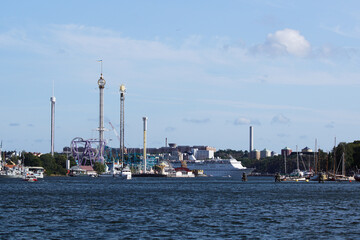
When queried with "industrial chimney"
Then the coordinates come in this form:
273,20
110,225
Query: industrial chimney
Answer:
251,140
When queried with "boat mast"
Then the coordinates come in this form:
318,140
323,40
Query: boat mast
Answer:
1,160
334,157
327,164
315,157
297,158
343,163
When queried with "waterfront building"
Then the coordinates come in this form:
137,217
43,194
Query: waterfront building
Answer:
204,154
255,154
274,154
265,153
286,151
306,150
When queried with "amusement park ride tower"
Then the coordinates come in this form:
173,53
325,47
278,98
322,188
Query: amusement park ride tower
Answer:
101,83
144,150
52,100
122,100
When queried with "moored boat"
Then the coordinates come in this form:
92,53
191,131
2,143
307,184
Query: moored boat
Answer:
357,177
217,167
126,173
12,171
36,171
30,177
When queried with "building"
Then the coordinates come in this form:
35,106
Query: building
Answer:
286,151
265,153
274,154
182,149
255,154
204,154
306,150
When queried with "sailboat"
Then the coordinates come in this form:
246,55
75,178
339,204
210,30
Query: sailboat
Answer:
318,175
342,176
297,174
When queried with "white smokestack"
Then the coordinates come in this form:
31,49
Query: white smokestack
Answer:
251,139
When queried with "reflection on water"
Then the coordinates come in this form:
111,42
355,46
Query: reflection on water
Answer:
194,208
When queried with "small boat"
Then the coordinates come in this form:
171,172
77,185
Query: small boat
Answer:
126,173
316,177
29,177
357,177
37,171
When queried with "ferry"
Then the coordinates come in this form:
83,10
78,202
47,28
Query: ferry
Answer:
218,167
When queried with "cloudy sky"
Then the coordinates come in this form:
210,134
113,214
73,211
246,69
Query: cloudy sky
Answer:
201,71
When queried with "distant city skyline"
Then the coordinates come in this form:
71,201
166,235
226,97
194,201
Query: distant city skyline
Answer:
201,71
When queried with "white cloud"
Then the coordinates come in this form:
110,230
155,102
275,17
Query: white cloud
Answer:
287,41
280,119
90,40
330,125
349,32
192,41
242,121
246,121
197,121
196,60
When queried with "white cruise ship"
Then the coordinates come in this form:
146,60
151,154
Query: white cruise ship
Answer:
217,167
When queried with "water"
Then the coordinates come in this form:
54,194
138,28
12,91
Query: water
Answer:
196,208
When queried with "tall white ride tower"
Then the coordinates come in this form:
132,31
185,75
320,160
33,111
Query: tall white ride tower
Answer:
144,153
122,120
52,100
101,83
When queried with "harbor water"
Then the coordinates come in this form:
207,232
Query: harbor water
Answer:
178,208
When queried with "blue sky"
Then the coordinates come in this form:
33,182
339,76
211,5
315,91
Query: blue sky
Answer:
201,71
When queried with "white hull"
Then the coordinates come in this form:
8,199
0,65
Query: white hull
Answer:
108,175
126,175
122,175
10,176
218,167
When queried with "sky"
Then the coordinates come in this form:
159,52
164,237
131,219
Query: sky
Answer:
201,71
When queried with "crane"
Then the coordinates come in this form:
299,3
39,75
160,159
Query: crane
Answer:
116,133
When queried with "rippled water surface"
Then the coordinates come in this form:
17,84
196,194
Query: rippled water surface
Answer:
196,208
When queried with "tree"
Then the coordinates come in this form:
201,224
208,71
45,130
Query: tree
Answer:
99,167
49,163
32,160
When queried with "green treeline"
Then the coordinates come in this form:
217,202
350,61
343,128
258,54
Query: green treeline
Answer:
324,160
53,165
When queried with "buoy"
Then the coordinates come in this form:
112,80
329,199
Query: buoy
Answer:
307,180
349,180
297,180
